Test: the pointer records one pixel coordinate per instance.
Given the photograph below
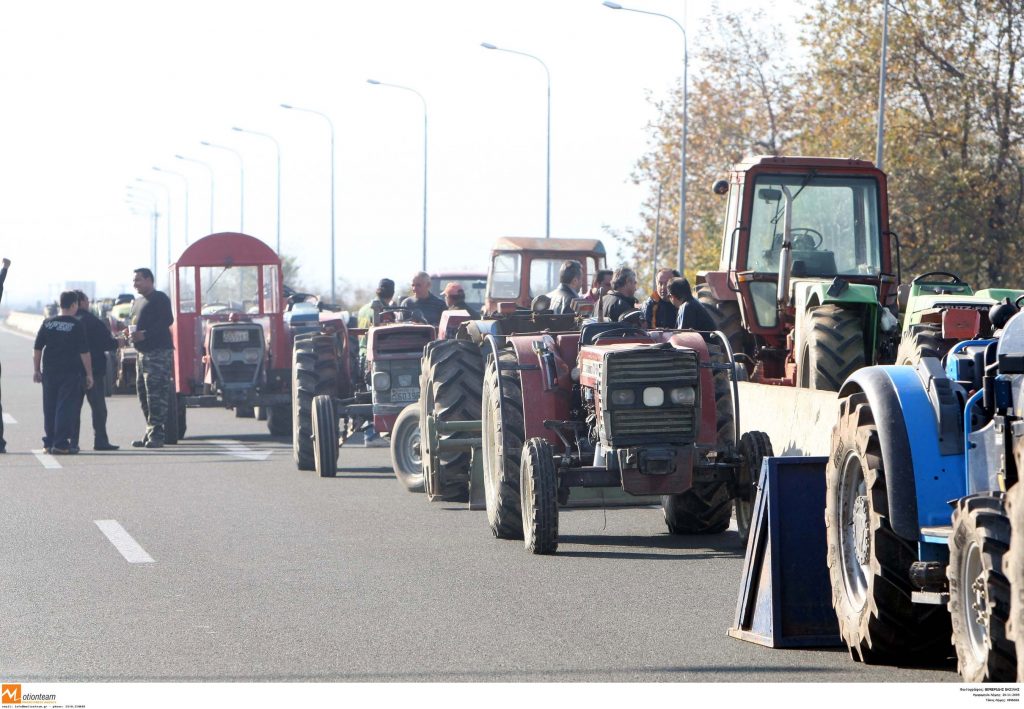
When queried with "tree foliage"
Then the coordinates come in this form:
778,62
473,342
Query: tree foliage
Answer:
954,125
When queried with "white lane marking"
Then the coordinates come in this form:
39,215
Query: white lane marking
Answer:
9,419
237,450
48,461
123,542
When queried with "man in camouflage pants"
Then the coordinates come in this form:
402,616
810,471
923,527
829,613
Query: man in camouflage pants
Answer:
150,332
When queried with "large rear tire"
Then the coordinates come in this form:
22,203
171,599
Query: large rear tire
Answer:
324,421
833,347
406,449
451,381
278,418
1013,567
503,436
314,372
979,593
245,412
868,563
538,485
923,340
726,314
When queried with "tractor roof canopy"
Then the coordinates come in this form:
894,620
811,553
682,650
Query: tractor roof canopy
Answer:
522,243
227,249
798,162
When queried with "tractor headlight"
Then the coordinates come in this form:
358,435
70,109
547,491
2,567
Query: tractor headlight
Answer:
405,380
623,397
222,356
252,355
654,396
683,396
381,381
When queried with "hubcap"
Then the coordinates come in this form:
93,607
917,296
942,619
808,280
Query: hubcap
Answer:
854,531
974,601
413,450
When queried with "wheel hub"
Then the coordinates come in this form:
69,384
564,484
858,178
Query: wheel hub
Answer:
861,537
974,600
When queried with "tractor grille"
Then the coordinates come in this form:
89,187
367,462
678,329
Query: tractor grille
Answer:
237,373
671,425
649,366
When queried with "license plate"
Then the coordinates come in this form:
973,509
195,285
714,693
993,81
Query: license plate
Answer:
235,336
404,396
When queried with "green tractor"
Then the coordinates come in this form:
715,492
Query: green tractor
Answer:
940,309
806,288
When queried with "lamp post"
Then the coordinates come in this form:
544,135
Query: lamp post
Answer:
277,147
879,141
547,73
331,126
423,267
682,147
185,179
133,199
167,220
241,180
209,169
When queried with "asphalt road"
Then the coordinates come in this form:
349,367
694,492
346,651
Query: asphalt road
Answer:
261,572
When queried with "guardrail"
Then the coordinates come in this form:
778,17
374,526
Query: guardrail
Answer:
24,322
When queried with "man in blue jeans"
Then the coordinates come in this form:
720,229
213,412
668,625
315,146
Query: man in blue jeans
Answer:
64,367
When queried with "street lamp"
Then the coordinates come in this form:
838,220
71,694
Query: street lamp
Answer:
277,146
879,141
241,179
167,220
423,267
209,169
331,126
682,147
185,179
547,73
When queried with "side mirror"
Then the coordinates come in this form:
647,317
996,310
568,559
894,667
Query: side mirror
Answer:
769,195
720,187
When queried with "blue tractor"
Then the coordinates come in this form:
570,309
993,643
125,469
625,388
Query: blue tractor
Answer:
916,521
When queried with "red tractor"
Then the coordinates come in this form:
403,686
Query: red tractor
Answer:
654,412
232,346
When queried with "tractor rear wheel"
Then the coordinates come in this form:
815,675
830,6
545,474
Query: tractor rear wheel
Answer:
278,418
182,422
1013,566
314,372
405,449
451,380
979,593
325,436
503,433
726,314
245,412
833,348
924,340
171,433
538,485
868,563
755,446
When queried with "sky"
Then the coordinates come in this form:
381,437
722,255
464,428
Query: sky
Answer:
98,93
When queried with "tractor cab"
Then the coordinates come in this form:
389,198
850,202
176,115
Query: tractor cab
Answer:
523,268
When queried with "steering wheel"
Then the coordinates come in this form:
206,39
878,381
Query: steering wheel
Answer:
812,235
1017,303
954,280
627,331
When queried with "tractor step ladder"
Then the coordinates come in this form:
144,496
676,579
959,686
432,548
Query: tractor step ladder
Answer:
785,596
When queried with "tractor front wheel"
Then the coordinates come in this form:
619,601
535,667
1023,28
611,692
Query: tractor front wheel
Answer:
833,347
314,372
503,433
405,449
755,446
325,436
538,486
979,593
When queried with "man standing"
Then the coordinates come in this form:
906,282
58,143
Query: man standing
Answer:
424,304
658,310
692,315
3,277
97,334
455,299
621,300
149,331
60,359
570,278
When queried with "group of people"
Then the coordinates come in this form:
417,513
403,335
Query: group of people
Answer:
69,360
423,305
614,294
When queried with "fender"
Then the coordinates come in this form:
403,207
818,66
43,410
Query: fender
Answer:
920,478
540,405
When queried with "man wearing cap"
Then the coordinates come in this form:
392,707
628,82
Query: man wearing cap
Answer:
385,294
455,298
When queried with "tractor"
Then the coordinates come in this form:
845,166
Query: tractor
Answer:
652,412
523,268
940,309
806,289
328,409
916,520
232,348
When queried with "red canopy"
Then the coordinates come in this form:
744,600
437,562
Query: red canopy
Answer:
227,249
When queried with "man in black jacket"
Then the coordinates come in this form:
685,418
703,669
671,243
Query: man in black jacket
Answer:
3,277
621,299
97,334
570,278
692,314
150,332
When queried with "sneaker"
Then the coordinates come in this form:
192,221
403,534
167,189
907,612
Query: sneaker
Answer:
60,451
154,444
139,444
105,447
74,449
